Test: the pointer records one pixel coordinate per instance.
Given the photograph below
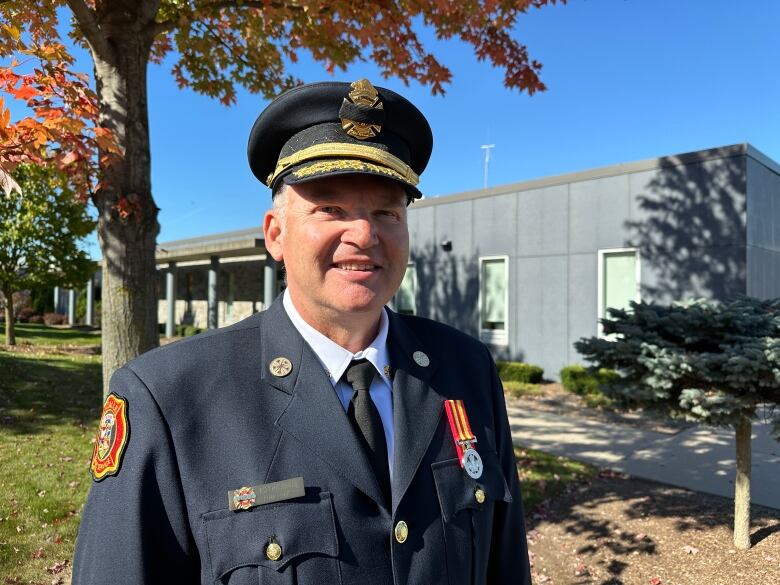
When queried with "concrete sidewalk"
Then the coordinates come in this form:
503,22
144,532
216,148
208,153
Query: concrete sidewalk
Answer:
698,458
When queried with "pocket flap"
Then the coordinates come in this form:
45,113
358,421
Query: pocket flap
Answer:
303,527
457,490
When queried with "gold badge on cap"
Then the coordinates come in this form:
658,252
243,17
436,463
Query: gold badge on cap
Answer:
421,359
362,94
280,367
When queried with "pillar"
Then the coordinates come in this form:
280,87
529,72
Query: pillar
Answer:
72,307
269,281
170,299
56,299
212,294
89,319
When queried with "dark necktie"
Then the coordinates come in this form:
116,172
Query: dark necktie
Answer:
366,421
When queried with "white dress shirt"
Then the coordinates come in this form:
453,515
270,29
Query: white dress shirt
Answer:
335,359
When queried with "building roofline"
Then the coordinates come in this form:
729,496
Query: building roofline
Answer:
230,244
242,234
728,151
763,159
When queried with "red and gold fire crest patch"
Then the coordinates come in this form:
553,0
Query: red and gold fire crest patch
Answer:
111,438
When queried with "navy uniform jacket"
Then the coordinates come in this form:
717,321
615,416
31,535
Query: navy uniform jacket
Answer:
207,416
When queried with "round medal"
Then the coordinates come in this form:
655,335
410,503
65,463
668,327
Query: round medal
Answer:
472,463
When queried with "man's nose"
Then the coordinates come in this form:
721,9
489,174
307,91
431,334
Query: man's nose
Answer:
361,232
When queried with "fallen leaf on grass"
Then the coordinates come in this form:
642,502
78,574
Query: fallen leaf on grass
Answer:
57,568
37,553
691,550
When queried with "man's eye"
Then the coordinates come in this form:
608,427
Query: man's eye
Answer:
329,209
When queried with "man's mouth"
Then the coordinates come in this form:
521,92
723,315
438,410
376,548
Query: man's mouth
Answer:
356,266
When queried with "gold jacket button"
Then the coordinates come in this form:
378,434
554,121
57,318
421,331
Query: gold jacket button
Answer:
401,532
273,551
479,495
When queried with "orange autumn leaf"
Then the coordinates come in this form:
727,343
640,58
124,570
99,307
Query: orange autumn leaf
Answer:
25,92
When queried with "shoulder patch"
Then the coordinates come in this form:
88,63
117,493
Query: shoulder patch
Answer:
111,439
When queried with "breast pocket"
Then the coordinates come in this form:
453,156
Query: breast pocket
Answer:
467,515
275,544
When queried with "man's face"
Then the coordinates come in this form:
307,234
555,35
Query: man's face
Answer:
344,242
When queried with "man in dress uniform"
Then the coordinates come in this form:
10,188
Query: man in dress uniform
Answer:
326,440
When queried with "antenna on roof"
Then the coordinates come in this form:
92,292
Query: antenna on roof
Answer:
486,148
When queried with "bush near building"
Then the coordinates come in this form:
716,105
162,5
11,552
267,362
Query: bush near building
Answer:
519,372
583,381
588,384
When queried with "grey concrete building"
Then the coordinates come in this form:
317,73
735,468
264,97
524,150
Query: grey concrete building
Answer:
531,267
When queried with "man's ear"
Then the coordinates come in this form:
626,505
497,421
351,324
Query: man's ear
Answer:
272,231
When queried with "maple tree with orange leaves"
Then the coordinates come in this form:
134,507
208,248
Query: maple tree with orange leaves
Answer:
100,136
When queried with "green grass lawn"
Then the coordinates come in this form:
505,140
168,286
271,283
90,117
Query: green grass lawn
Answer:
49,407
39,334
544,476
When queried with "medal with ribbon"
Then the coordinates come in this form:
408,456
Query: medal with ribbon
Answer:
465,439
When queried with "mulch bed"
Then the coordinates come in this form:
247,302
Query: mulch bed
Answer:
620,530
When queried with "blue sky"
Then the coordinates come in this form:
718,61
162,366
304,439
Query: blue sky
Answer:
627,80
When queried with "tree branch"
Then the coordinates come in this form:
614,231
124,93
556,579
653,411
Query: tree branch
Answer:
169,25
85,17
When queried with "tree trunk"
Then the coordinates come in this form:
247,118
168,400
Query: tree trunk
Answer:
127,214
10,326
742,485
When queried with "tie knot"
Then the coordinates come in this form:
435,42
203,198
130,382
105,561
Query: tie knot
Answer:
360,374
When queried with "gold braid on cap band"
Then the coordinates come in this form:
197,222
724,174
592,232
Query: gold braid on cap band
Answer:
337,149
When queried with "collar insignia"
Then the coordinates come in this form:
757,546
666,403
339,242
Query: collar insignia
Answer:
280,367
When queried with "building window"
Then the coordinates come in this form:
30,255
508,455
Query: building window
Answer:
406,297
493,299
618,280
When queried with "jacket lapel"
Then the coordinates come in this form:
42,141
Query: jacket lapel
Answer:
417,407
314,415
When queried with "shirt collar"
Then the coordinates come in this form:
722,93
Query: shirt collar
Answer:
335,358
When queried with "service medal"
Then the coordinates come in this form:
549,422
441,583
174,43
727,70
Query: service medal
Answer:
464,438
472,463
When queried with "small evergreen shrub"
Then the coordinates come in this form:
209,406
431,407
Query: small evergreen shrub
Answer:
190,330
519,372
579,380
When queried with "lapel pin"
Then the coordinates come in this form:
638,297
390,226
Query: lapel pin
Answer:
280,367
421,359
244,498
388,372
